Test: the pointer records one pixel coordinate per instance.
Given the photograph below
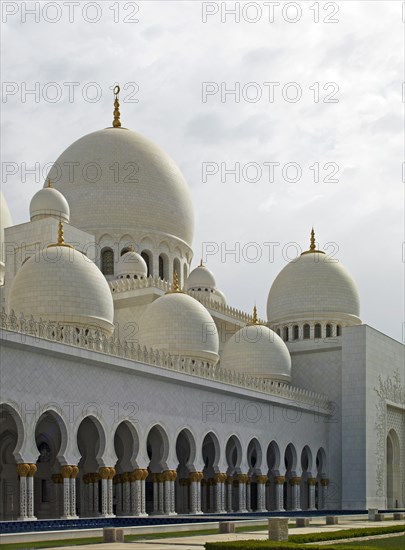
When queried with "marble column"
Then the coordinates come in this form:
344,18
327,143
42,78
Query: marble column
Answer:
295,485
72,480
229,493
241,479
195,494
311,483
104,473
23,471
30,491
218,485
261,493
173,476
110,493
248,494
135,493
279,493
323,494
167,505
161,485
143,492
88,479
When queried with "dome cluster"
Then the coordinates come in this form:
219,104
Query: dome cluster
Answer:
122,184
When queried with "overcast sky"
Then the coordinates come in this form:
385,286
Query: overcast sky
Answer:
337,107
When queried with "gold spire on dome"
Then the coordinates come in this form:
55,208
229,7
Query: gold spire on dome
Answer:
312,245
61,239
49,184
175,287
255,319
201,263
117,114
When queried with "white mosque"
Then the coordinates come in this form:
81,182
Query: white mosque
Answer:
130,387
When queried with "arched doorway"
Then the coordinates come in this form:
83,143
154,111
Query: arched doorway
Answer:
210,454
393,470
254,458
91,443
11,434
290,484
186,452
273,464
160,489
233,455
48,490
126,501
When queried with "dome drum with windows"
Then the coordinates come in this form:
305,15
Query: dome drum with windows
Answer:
118,184
314,296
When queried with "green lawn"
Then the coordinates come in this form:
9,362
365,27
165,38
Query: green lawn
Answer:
395,543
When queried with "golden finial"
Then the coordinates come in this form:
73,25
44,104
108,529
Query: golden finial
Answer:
61,240
312,247
175,287
117,114
255,319
201,263
49,183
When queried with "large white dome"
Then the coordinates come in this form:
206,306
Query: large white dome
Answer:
257,351
63,286
131,265
313,287
117,181
178,324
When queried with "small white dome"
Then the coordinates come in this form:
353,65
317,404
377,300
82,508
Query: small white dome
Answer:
201,283
178,324
63,286
49,202
257,351
201,277
313,287
131,265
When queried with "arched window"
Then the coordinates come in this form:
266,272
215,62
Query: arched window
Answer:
328,331
307,332
107,261
338,330
161,268
296,332
146,257
318,331
285,334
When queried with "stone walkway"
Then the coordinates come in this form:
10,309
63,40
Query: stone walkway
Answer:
197,542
